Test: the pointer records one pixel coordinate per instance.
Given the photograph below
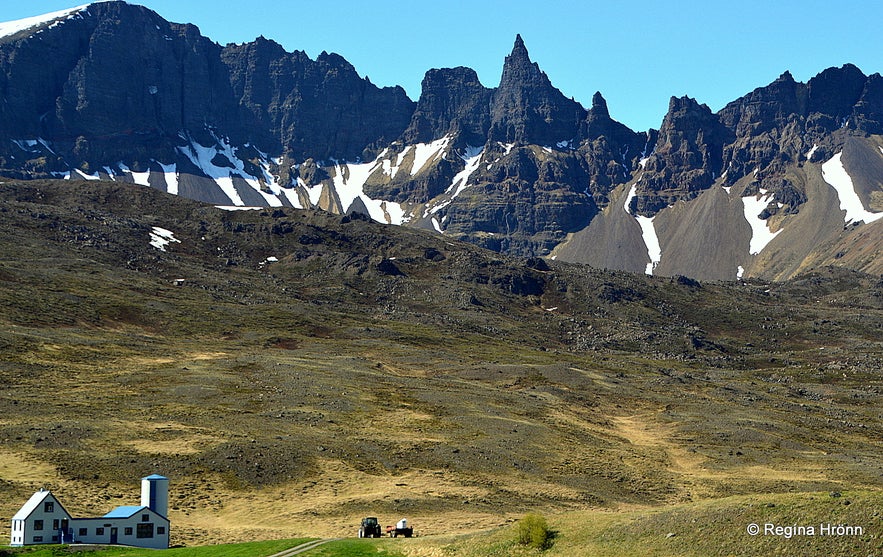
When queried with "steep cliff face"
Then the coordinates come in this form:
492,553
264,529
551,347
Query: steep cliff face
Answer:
113,82
766,187
113,91
514,168
527,109
314,108
452,102
686,160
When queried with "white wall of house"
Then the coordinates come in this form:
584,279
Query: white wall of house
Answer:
39,521
144,528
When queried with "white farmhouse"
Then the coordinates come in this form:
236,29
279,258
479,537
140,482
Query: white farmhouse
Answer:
44,520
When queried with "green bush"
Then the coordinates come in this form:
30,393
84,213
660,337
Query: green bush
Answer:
533,531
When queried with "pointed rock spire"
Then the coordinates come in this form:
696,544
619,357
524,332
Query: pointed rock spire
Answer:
519,49
519,68
599,105
527,108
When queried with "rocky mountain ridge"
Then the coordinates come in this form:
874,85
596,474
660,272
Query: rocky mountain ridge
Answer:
519,168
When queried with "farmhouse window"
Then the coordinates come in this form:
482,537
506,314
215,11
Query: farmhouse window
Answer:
145,530
160,530
84,531
55,524
99,531
128,531
38,539
48,506
38,525
145,518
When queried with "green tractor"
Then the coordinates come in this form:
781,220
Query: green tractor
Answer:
370,528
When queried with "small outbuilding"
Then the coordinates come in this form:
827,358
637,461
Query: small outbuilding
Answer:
43,520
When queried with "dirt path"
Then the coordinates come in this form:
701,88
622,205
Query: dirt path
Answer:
692,468
643,430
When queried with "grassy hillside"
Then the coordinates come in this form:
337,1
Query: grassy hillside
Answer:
293,371
789,524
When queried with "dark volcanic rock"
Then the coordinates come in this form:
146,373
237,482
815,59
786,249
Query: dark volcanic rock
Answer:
524,202
611,150
766,107
453,102
835,91
687,157
527,109
868,111
318,108
117,82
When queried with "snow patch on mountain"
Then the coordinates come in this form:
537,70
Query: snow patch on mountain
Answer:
424,152
836,176
221,163
761,235
648,232
160,238
170,173
651,240
84,176
349,183
140,178
12,27
472,158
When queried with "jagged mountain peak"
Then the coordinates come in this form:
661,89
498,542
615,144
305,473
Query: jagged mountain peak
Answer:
27,27
527,108
683,104
599,105
786,76
519,50
835,91
516,168
452,102
519,68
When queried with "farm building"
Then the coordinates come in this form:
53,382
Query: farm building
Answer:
44,520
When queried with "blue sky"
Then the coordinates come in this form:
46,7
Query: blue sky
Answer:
637,53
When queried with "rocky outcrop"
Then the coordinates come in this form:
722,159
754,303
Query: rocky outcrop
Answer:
314,108
452,102
687,157
527,109
610,149
868,111
116,82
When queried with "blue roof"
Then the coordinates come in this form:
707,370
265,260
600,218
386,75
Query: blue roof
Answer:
124,511
155,477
